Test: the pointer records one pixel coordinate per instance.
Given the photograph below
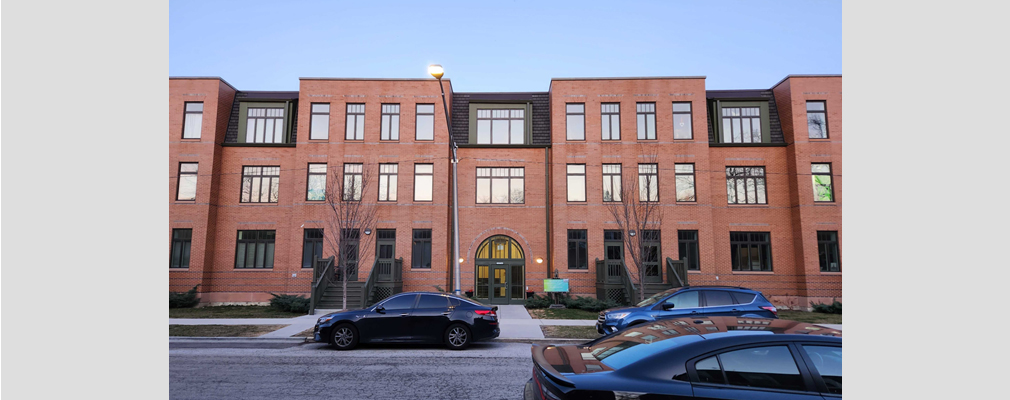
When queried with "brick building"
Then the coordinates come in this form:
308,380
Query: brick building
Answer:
747,181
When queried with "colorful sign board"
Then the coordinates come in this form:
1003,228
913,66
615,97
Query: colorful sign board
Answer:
555,285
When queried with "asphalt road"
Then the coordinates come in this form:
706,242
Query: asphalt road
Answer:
314,371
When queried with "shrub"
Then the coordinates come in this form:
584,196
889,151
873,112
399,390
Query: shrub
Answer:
183,299
833,308
578,302
538,301
290,303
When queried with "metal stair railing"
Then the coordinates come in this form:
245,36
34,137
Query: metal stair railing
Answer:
318,279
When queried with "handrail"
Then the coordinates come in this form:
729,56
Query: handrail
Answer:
601,271
318,278
629,284
366,290
671,272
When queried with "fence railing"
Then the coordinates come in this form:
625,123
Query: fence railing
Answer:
319,270
676,272
629,285
366,290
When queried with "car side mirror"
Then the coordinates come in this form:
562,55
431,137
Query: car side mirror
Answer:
668,306
380,309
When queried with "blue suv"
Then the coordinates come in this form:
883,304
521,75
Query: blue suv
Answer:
689,301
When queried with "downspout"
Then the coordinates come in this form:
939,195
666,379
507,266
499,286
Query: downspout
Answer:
548,210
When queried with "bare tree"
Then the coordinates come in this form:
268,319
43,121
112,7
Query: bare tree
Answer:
638,212
347,217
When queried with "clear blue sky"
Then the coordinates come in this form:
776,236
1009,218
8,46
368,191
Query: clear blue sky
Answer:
505,46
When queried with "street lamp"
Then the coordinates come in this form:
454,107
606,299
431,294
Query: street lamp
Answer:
436,71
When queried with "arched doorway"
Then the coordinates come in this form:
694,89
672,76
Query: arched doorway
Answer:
500,263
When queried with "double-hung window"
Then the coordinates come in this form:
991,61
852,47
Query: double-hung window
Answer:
612,182
255,249
746,185
390,126
193,120
181,242
186,189
425,122
610,121
387,181
682,121
821,176
576,182
260,184
420,256
646,121
648,182
577,249
817,120
575,120
505,126
320,126
352,182
741,125
423,176
355,126
751,251
264,125
312,247
316,190
827,251
685,182
500,185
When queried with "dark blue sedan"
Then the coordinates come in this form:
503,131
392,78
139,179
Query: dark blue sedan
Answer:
710,358
689,301
414,317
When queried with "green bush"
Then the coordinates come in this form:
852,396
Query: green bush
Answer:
833,308
290,303
538,301
578,302
183,299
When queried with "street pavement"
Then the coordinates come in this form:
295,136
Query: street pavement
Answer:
311,370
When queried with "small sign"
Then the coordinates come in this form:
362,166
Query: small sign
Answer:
555,285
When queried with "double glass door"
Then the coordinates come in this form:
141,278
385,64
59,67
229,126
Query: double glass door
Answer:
500,282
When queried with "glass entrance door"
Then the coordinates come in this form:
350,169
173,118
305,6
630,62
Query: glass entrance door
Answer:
499,284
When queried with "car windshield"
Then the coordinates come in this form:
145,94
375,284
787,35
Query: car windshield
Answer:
657,297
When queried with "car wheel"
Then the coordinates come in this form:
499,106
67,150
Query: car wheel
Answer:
457,337
345,337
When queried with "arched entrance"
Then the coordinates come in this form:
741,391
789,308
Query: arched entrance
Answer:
500,263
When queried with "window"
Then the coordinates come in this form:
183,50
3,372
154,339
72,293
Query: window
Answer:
746,185
420,256
741,125
648,182
404,302
687,242
817,120
352,182
500,185
610,121
186,188
355,122
387,181
827,362
771,367
684,300
264,125
423,175
316,190
575,119
181,241
425,122
709,371
682,121
743,298
685,182
827,251
260,184
716,298
611,182
320,126
577,249
821,176
430,301
505,126
312,247
576,182
646,121
255,249
192,121
390,126
751,251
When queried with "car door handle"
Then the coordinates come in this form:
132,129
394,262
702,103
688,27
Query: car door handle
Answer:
447,313
404,314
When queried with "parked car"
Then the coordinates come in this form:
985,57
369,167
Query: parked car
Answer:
414,317
711,358
694,301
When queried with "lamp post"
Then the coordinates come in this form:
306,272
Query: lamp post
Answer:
436,71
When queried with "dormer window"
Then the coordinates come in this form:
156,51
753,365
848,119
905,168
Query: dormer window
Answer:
499,124
741,122
264,123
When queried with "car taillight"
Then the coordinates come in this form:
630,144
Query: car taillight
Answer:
772,309
486,312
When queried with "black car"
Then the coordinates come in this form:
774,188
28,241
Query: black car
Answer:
711,358
414,317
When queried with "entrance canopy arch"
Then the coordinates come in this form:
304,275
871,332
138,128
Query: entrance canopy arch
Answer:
500,265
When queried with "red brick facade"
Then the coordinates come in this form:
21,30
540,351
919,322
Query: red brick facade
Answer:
790,216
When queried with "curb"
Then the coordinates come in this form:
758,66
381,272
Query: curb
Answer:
237,339
540,341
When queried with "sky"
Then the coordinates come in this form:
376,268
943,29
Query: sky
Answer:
504,46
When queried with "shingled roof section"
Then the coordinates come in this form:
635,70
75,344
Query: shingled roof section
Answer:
231,135
540,121
775,126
